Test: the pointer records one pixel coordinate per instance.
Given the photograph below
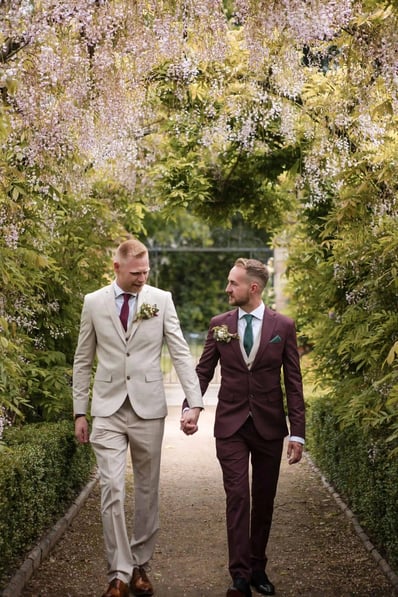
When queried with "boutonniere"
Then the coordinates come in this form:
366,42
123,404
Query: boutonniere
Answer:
275,339
222,334
146,311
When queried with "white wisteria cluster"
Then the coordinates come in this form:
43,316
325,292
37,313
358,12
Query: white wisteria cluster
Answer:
77,72
80,79
304,21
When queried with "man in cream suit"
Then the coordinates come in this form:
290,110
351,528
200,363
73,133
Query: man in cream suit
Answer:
122,328
253,345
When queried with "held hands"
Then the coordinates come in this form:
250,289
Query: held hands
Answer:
189,421
294,452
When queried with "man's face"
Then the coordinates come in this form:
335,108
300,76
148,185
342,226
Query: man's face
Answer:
132,273
238,287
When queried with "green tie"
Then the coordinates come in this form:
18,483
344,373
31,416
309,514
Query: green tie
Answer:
248,337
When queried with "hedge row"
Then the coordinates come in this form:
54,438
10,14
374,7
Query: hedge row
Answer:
42,469
362,469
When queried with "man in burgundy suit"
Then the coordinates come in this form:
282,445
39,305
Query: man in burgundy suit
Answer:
250,419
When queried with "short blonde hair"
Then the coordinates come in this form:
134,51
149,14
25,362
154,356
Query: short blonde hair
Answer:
130,248
255,269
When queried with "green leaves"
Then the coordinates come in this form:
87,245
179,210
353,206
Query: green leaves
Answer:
54,248
343,244
393,354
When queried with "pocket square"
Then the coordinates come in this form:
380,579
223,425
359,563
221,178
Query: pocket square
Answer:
275,339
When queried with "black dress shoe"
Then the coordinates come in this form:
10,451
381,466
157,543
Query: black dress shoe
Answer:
240,588
262,583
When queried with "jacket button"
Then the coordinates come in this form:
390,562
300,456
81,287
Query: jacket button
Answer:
128,377
127,354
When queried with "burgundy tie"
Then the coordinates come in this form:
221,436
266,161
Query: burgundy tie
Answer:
124,312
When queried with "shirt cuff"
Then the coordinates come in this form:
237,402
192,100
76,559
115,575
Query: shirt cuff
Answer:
296,438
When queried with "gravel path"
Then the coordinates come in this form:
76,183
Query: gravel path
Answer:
314,549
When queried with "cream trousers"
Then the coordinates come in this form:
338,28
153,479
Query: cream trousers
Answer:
110,438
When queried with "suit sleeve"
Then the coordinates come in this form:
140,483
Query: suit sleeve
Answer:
181,355
83,361
208,360
293,384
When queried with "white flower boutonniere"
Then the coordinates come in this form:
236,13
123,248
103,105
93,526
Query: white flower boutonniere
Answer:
146,311
222,334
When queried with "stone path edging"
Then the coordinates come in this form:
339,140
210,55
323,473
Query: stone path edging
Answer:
43,548
383,564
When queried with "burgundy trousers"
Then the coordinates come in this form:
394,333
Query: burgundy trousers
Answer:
249,512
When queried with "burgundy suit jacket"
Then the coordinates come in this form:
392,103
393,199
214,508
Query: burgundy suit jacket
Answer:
257,390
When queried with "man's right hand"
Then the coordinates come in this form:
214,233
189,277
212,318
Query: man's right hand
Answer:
81,430
189,421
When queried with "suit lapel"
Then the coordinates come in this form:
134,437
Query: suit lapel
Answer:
267,331
231,321
112,312
142,297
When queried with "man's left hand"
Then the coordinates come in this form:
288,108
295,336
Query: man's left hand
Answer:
294,452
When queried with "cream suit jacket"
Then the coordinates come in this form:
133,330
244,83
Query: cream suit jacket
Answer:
128,363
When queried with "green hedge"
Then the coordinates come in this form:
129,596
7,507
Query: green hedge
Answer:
42,469
360,466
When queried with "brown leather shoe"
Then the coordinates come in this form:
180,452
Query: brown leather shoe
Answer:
140,584
117,588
